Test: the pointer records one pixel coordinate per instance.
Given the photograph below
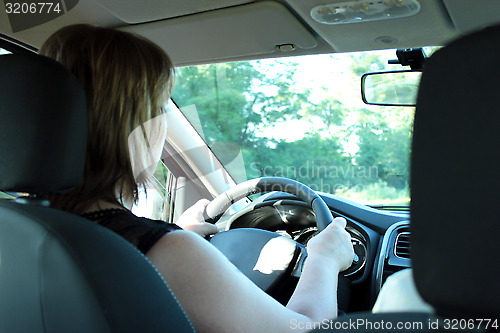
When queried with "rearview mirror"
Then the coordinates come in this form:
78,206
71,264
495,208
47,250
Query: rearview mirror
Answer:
395,88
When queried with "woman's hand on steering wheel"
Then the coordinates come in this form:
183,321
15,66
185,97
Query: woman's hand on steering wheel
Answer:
192,220
333,245
245,247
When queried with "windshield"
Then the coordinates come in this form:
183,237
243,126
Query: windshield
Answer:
303,118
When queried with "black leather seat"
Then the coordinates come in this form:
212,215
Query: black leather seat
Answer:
455,178
60,272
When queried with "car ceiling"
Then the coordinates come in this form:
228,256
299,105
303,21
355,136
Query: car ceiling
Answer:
195,31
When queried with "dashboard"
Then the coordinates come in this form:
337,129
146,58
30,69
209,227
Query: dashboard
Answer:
380,239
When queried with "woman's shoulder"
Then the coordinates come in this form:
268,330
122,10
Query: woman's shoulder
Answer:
142,232
129,216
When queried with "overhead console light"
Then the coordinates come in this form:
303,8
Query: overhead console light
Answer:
364,11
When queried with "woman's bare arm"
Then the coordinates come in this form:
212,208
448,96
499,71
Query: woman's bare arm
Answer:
330,252
217,297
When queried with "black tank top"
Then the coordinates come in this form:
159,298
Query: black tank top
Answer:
143,233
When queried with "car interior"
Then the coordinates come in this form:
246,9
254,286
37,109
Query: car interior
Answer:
62,273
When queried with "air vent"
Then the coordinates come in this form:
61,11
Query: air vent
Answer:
402,246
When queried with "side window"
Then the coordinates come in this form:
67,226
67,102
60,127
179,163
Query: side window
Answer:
170,193
187,172
155,201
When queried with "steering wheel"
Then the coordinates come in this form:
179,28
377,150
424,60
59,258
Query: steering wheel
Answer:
264,256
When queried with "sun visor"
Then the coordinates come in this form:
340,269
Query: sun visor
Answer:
258,28
143,11
467,18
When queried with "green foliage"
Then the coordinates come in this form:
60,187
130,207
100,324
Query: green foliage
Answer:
385,145
312,160
379,193
220,92
238,102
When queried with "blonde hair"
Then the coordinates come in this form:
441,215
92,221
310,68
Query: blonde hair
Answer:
128,80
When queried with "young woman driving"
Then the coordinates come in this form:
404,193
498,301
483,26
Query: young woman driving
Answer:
128,81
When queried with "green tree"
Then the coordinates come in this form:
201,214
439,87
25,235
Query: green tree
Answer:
235,102
232,99
385,145
313,160
223,96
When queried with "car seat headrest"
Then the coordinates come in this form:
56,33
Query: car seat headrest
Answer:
455,178
43,126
